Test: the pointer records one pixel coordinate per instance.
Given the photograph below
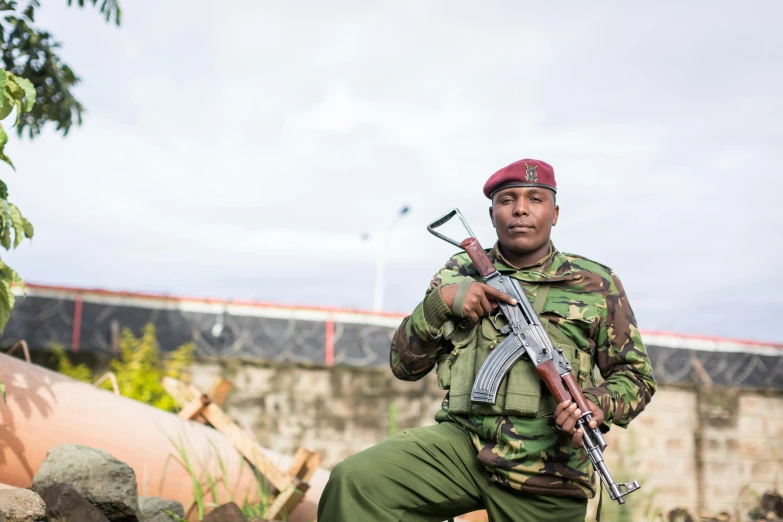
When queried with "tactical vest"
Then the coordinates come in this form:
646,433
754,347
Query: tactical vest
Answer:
522,392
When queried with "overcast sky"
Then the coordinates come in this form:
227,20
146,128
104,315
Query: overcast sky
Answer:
243,151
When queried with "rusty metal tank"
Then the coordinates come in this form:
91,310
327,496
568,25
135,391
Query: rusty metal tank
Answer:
45,408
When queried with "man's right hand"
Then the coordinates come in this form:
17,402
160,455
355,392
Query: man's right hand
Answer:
481,299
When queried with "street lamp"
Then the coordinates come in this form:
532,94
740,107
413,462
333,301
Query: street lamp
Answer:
380,264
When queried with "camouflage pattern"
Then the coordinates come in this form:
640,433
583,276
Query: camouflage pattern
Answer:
588,304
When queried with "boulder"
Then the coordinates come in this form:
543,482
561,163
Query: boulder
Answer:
152,509
226,513
109,484
65,504
21,505
151,506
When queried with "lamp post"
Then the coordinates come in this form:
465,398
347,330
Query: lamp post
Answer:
382,241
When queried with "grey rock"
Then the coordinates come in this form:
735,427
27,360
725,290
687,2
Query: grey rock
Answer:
152,506
226,513
21,505
64,504
109,484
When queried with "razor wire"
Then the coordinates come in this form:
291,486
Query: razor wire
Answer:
44,321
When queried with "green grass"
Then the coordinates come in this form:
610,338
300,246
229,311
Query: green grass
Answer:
206,484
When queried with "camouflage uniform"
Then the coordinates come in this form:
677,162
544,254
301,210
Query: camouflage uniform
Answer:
587,308
508,458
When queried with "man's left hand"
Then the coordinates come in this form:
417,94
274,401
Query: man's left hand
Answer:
566,415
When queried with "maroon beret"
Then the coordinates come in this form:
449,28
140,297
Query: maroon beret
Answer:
522,173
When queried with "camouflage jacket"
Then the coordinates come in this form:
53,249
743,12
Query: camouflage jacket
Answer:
590,307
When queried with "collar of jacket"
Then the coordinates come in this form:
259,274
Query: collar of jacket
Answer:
551,268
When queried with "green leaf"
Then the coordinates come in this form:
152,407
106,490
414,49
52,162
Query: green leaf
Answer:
7,275
5,238
2,390
28,228
18,95
8,104
18,224
5,234
29,92
3,190
5,158
29,12
3,82
5,207
19,112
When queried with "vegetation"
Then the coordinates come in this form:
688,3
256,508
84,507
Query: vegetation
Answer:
139,369
37,84
207,486
32,52
17,93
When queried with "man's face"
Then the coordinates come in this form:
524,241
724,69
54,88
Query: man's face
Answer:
523,218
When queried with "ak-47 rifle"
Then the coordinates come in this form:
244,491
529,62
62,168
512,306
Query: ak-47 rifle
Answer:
526,335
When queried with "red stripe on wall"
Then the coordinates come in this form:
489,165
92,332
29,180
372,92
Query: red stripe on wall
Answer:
329,344
77,323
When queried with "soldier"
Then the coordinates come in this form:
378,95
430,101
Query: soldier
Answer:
520,459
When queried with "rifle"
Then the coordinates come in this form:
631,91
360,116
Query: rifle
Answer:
526,335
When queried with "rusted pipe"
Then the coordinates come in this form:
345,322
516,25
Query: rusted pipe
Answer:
45,409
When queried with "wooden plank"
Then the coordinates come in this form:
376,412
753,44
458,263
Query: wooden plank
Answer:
223,423
284,503
220,390
194,408
179,391
183,393
299,462
303,467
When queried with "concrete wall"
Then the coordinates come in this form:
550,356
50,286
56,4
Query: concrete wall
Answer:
693,448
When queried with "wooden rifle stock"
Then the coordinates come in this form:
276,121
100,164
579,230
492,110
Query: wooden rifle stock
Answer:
576,392
554,382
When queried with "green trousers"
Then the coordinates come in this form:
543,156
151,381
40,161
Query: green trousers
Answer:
430,474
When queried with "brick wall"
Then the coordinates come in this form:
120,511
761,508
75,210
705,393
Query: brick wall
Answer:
695,448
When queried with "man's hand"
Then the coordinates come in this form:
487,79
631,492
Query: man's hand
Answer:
566,415
481,299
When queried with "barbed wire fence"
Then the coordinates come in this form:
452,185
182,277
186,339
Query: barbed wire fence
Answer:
43,321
